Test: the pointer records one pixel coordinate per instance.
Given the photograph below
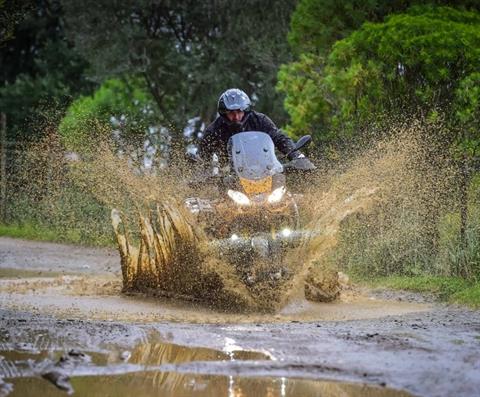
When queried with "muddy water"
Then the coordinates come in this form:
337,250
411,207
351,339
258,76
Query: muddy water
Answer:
83,287
148,370
99,298
175,385
165,249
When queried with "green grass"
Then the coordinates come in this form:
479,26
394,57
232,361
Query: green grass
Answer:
34,232
29,232
469,296
448,289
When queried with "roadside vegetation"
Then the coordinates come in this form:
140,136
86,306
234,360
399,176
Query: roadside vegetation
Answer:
404,69
351,75
453,290
32,232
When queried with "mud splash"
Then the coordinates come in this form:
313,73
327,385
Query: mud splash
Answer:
165,252
174,257
93,294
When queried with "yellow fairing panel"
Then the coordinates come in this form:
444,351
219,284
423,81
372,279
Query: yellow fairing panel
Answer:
256,187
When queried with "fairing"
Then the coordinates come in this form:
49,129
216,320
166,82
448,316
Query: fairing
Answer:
252,155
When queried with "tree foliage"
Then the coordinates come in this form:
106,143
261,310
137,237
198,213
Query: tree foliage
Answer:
120,112
317,24
40,69
187,51
420,59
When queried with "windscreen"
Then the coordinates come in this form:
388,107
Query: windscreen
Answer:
253,155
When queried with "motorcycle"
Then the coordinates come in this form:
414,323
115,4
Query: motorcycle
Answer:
255,217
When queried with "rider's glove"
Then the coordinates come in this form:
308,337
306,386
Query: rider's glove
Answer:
296,155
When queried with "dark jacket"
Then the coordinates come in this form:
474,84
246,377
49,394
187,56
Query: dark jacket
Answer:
217,134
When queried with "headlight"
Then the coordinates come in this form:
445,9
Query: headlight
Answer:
238,197
276,195
286,232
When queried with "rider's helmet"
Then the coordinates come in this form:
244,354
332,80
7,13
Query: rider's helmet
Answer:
233,99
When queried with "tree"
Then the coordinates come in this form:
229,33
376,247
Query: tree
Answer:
423,61
412,61
188,52
317,24
40,70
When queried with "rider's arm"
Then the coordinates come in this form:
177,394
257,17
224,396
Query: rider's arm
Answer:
282,142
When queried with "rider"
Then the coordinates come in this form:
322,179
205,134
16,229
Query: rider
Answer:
235,115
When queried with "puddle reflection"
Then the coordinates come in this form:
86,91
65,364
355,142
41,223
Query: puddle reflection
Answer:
97,378
141,385
162,353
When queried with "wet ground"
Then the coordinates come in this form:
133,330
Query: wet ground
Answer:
65,327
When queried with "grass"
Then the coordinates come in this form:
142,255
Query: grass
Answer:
447,289
34,232
29,232
469,296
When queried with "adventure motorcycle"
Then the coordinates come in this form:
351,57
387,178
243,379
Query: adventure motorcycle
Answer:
255,216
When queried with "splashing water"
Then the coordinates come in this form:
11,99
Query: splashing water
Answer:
165,251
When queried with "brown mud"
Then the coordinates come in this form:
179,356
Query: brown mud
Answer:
164,250
97,295
174,256
146,344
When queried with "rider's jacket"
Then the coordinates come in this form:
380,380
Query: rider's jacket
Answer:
217,134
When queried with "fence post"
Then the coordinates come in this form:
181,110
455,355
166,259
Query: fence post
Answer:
3,167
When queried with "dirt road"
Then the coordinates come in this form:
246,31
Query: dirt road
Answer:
55,298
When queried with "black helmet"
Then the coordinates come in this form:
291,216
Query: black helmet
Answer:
233,99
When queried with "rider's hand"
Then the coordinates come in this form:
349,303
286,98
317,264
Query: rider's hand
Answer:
296,155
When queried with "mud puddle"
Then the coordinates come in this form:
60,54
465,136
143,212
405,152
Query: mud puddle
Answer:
100,298
149,370
81,288
180,385
31,371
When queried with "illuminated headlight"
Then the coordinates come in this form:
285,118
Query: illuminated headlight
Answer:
286,232
234,237
276,195
238,197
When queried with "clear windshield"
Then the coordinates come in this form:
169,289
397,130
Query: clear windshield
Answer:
253,155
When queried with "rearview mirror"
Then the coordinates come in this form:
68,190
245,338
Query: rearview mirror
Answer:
303,141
